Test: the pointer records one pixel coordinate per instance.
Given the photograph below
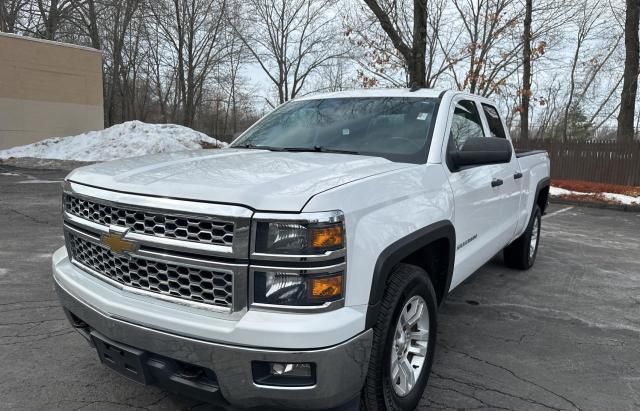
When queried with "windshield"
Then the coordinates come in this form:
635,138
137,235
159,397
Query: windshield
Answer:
396,128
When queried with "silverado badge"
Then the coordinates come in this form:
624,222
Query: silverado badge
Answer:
115,242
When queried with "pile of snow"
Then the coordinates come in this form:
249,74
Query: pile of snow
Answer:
557,191
618,198
130,139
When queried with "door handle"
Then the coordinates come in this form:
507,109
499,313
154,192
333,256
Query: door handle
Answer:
496,182
517,175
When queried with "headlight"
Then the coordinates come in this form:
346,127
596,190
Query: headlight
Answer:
302,238
298,261
286,288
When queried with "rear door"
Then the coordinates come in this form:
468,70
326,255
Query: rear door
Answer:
513,178
485,214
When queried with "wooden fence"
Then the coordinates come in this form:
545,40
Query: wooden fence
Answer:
603,161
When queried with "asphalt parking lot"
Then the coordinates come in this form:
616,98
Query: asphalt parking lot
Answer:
563,336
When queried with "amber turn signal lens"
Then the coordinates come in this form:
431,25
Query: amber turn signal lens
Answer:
326,287
327,237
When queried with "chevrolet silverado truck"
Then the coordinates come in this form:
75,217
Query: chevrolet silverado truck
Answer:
302,266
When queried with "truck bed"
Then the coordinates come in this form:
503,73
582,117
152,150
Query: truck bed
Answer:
524,153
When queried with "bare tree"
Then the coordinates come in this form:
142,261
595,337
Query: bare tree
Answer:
492,45
526,70
413,49
548,104
542,27
289,40
377,62
191,28
117,25
380,60
587,21
51,14
631,68
231,81
163,78
10,11
334,77
86,15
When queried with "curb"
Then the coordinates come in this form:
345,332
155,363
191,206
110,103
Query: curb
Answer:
32,163
592,204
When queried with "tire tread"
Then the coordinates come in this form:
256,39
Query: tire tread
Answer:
373,397
516,254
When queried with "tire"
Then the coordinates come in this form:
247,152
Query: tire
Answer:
521,254
408,287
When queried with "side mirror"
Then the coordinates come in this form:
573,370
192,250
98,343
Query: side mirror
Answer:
482,150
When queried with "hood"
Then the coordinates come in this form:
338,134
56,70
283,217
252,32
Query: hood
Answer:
262,180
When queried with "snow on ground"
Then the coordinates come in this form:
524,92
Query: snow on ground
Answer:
618,198
130,139
621,198
557,191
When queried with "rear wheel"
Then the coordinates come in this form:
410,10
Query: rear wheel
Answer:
404,340
521,254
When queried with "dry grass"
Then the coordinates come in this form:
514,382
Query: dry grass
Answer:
591,187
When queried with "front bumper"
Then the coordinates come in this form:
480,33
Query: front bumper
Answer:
340,369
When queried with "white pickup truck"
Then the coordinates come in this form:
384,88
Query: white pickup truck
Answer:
301,267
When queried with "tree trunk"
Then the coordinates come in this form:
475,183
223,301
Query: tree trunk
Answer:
3,18
115,68
181,87
49,17
630,83
526,71
417,63
93,25
414,55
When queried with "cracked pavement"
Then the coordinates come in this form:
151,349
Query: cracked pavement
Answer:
563,336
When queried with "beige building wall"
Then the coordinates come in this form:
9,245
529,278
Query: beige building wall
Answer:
47,89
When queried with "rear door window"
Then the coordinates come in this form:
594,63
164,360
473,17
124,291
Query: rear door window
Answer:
493,120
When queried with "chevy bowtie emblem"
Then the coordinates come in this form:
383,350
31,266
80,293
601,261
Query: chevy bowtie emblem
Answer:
115,242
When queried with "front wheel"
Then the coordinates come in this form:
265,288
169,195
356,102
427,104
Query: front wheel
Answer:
404,340
521,254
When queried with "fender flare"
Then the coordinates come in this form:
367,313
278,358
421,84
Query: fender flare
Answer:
542,184
399,250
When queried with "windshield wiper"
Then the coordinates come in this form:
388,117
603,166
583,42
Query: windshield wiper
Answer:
319,149
314,149
256,147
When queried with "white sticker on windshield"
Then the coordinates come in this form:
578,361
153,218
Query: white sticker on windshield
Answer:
422,116
345,131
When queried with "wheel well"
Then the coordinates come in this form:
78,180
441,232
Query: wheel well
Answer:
543,198
432,248
434,259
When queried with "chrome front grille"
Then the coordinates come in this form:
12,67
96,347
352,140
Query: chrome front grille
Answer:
187,252
204,285
187,228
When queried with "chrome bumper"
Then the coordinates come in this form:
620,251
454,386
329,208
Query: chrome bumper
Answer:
340,369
